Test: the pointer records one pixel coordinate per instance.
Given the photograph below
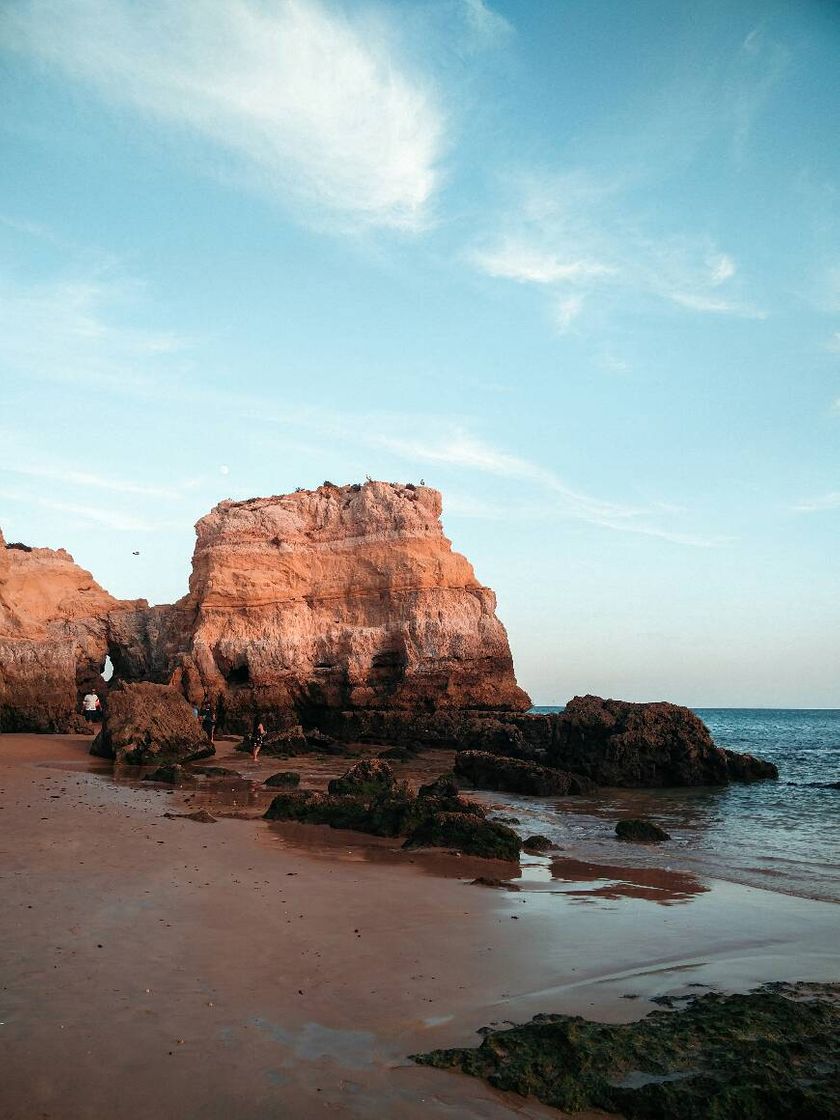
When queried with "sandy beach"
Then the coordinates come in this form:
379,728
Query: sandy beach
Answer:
157,966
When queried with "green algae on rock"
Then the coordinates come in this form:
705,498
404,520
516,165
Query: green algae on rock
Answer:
774,1053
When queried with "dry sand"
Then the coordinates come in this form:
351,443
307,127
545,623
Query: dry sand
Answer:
158,967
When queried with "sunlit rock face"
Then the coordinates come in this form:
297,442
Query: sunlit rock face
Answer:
53,637
336,598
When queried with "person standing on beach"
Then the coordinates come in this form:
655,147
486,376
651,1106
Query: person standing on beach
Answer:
221,714
208,721
91,707
257,736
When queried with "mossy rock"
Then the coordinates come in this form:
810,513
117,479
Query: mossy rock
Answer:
284,778
771,1053
470,834
640,831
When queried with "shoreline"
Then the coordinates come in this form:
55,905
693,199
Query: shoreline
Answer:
246,969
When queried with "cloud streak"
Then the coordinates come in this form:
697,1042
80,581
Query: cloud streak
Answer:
311,104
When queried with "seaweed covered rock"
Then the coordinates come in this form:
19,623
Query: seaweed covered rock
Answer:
284,778
145,723
368,799
748,768
367,778
513,775
771,1053
640,831
538,843
470,834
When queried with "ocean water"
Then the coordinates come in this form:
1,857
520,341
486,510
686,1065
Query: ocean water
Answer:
781,835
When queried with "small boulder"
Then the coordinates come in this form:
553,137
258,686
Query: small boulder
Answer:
538,844
284,778
637,830
490,881
291,806
200,815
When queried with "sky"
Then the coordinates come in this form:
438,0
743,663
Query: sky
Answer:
576,263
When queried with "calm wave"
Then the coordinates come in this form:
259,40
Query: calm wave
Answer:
782,835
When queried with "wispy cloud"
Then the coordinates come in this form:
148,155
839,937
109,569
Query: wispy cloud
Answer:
575,235
78,330
87,480
819,504
463,450
533,264
118,520
314,104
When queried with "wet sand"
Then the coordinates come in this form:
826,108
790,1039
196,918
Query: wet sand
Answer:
155,967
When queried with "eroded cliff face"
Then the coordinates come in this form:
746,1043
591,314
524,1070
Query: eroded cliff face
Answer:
53,636
330,599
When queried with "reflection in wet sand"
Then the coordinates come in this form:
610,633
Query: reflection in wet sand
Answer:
613,882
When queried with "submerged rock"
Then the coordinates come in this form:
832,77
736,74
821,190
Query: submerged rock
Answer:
215,772
146,723
640,831
513,775
172,775
284,778
771,1053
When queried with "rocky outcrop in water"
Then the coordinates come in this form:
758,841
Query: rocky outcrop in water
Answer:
53,637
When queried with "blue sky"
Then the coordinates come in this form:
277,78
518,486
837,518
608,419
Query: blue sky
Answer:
575,263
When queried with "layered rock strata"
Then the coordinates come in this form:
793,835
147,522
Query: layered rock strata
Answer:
336,599
53,637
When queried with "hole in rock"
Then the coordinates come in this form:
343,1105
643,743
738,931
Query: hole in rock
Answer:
107,668
238,675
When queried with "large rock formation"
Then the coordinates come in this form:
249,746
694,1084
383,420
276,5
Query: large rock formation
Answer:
340,598
53,637
147,723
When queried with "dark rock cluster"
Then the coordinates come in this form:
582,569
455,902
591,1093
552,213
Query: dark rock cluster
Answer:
368,798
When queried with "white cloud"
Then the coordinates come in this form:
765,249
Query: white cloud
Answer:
89,480
721,268
697,301
486,28
566,311
533,264
817,505
571,231
117,520
313,104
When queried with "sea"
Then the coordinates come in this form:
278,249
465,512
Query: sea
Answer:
782,835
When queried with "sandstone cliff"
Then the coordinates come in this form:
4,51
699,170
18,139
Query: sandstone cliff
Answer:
330,599
53,636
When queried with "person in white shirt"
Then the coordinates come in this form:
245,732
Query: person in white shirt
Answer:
91,707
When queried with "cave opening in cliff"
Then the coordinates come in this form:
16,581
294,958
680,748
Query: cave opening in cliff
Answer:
107,669
238,675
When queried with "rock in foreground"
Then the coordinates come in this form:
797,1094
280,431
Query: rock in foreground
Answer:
772,1053
147,723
